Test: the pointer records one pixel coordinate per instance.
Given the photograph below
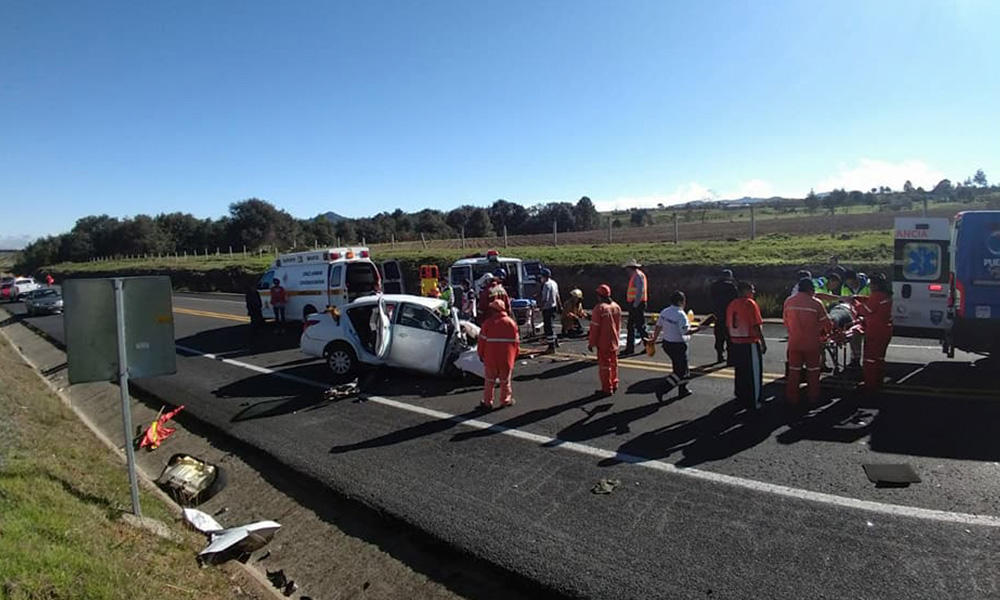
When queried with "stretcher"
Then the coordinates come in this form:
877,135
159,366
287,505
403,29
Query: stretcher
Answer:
846,325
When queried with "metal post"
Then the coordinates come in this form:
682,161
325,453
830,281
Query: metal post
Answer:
463,238
753,223
423,241
555,233
609,229
504,235
675,227
123,388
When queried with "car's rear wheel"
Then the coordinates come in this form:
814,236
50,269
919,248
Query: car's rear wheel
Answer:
342,361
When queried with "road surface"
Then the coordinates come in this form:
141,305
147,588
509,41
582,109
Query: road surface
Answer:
712,502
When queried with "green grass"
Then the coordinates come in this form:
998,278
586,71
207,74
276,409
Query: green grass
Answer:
869,247
61,492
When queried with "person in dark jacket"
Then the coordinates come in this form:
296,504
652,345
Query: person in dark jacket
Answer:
722,291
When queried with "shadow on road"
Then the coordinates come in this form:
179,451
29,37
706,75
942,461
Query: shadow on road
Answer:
241,340
532,416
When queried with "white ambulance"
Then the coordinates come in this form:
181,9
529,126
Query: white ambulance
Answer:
318,279
920,276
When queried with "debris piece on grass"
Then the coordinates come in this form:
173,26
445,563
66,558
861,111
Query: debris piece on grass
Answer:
158,432
232,542
891,475
605,486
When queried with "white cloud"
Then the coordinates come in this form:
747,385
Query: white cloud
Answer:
14,242
755,188
683,193
875,173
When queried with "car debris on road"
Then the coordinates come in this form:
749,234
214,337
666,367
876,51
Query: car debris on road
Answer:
227,543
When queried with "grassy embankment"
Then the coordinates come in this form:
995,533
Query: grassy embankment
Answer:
61,492
869,247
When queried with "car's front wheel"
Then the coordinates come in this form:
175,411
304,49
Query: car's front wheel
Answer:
342,361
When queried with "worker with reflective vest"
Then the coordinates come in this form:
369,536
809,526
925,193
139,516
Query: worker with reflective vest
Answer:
605,327
497,348
857,284
876,310
636,297
806,320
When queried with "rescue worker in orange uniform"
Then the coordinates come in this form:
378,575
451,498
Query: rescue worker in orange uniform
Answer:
605,326
746,345
876,310
497,348
806,319
494,290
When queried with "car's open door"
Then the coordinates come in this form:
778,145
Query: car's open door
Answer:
383,330
392,277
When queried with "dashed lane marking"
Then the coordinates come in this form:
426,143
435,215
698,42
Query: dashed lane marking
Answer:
893,510
211,315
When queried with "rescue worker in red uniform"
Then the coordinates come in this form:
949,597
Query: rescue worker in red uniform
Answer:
605,325
806,319
746,346
876,310
497,348
494,290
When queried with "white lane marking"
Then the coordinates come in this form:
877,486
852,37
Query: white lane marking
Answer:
896,510
209,299
914,372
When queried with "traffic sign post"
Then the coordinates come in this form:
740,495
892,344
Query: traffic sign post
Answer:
117,329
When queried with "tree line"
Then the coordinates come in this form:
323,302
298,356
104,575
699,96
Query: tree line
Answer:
257,224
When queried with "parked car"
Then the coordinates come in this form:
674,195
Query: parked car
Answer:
23,285
6,287
397,330
43,301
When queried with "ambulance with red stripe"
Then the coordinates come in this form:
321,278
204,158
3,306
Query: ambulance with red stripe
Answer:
318,279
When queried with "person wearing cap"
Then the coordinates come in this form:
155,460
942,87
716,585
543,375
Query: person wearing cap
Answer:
831,288
747,346
876,309
550,303
446,292
605,328
857,284
497,349
722,292
572,312
278,302
674,329
492,291
806,320
636,296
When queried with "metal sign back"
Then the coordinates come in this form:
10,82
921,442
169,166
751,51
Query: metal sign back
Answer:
91,328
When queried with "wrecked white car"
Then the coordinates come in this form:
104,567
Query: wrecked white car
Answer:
408,332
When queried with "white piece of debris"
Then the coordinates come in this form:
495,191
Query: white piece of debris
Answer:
234,541
469,362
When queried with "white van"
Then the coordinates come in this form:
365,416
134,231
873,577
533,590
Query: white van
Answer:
318,279
920,276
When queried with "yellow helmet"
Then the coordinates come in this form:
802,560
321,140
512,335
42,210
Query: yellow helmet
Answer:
576,293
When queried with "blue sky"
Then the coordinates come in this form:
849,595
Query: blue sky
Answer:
357,107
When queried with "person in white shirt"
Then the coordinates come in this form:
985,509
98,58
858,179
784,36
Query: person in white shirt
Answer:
551,304
674,330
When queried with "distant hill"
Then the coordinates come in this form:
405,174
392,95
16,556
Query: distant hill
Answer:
333,217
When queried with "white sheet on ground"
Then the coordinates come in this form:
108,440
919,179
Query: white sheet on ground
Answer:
469,362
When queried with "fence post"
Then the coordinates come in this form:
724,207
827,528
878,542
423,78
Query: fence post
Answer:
504,235
230,252
463,238
393,241
753,223
609,230
833,217
216,250
363,241
555,233
244,250
675,226
925,207
315,244
423,241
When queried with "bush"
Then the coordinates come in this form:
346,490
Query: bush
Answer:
770,305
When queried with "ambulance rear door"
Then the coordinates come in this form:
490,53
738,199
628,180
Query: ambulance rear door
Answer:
392,277
920,278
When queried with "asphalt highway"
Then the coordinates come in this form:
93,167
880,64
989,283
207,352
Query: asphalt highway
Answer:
711,501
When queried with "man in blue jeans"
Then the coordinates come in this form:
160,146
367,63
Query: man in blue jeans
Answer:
674,330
